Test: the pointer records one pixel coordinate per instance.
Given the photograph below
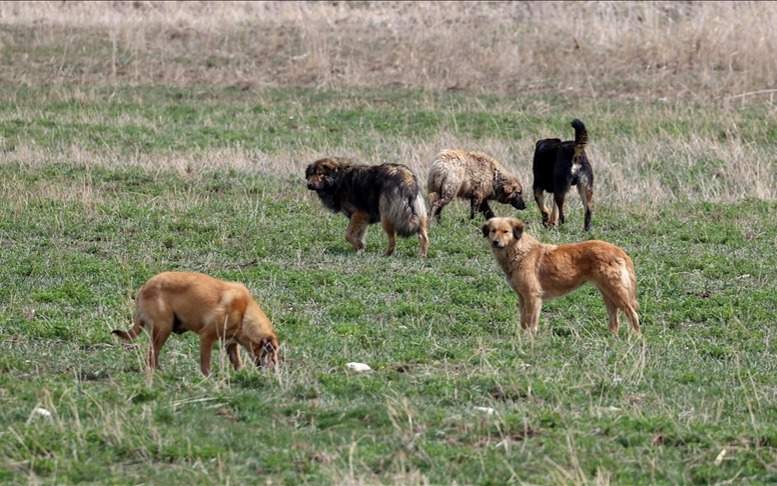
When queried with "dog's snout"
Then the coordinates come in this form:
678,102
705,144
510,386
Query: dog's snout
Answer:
519,204
497,244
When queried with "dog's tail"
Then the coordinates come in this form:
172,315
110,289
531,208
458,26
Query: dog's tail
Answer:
405,208
137,328
581,136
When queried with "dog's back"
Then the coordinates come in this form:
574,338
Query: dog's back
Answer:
188,294
457,171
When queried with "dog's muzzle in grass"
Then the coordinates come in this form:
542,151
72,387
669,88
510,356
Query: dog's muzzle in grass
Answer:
519,204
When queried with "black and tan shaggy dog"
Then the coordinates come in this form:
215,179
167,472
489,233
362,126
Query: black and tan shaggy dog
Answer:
366,194
539,272
474,176
558,166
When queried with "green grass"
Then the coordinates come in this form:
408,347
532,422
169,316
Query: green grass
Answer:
572,404
128,120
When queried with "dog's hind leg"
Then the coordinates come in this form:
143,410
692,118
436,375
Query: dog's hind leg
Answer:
388,227
558,199
631,314
423,236
436,206
357,230
433,197
628,305
623,298
612,313
539,198
586,196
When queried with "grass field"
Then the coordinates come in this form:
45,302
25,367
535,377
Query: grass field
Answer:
137,137
100,189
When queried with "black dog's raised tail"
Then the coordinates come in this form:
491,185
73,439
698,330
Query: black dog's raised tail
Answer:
581,135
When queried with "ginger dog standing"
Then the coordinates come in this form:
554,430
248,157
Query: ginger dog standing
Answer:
216,310
538,271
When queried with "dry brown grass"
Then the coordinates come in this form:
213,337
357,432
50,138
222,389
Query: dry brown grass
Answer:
625,170
588,48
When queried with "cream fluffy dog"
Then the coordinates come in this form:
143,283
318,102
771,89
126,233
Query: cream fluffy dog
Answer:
216,310
473,176
538,271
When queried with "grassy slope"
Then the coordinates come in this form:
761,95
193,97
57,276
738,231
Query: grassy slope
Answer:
572,404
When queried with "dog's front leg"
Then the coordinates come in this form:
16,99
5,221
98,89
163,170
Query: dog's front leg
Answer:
158,338
486,209
530,314
357,230
234,355
522,311
206,346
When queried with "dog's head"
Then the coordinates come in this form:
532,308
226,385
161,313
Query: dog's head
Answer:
258,337
265,352
511,192
502,232
320,175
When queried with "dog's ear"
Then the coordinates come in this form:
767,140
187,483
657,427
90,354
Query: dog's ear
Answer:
484,229
331,165
517,229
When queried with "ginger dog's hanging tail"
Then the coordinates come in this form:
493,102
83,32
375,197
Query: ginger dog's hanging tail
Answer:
132,333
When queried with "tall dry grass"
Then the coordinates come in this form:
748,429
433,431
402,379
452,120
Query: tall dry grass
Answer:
661,49
626,172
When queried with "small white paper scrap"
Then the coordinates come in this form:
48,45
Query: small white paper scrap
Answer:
486,410
358,367
42,412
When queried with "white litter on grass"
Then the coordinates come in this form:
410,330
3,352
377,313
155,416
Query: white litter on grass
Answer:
41,412
38,412
358,367
720,457
486,410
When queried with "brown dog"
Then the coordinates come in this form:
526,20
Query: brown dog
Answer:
216,310
538,272
473,176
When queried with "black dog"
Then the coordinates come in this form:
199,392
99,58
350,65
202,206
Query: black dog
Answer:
559,165
366,194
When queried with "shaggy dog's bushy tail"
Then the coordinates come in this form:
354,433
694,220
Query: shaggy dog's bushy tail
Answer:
405,208
581,135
